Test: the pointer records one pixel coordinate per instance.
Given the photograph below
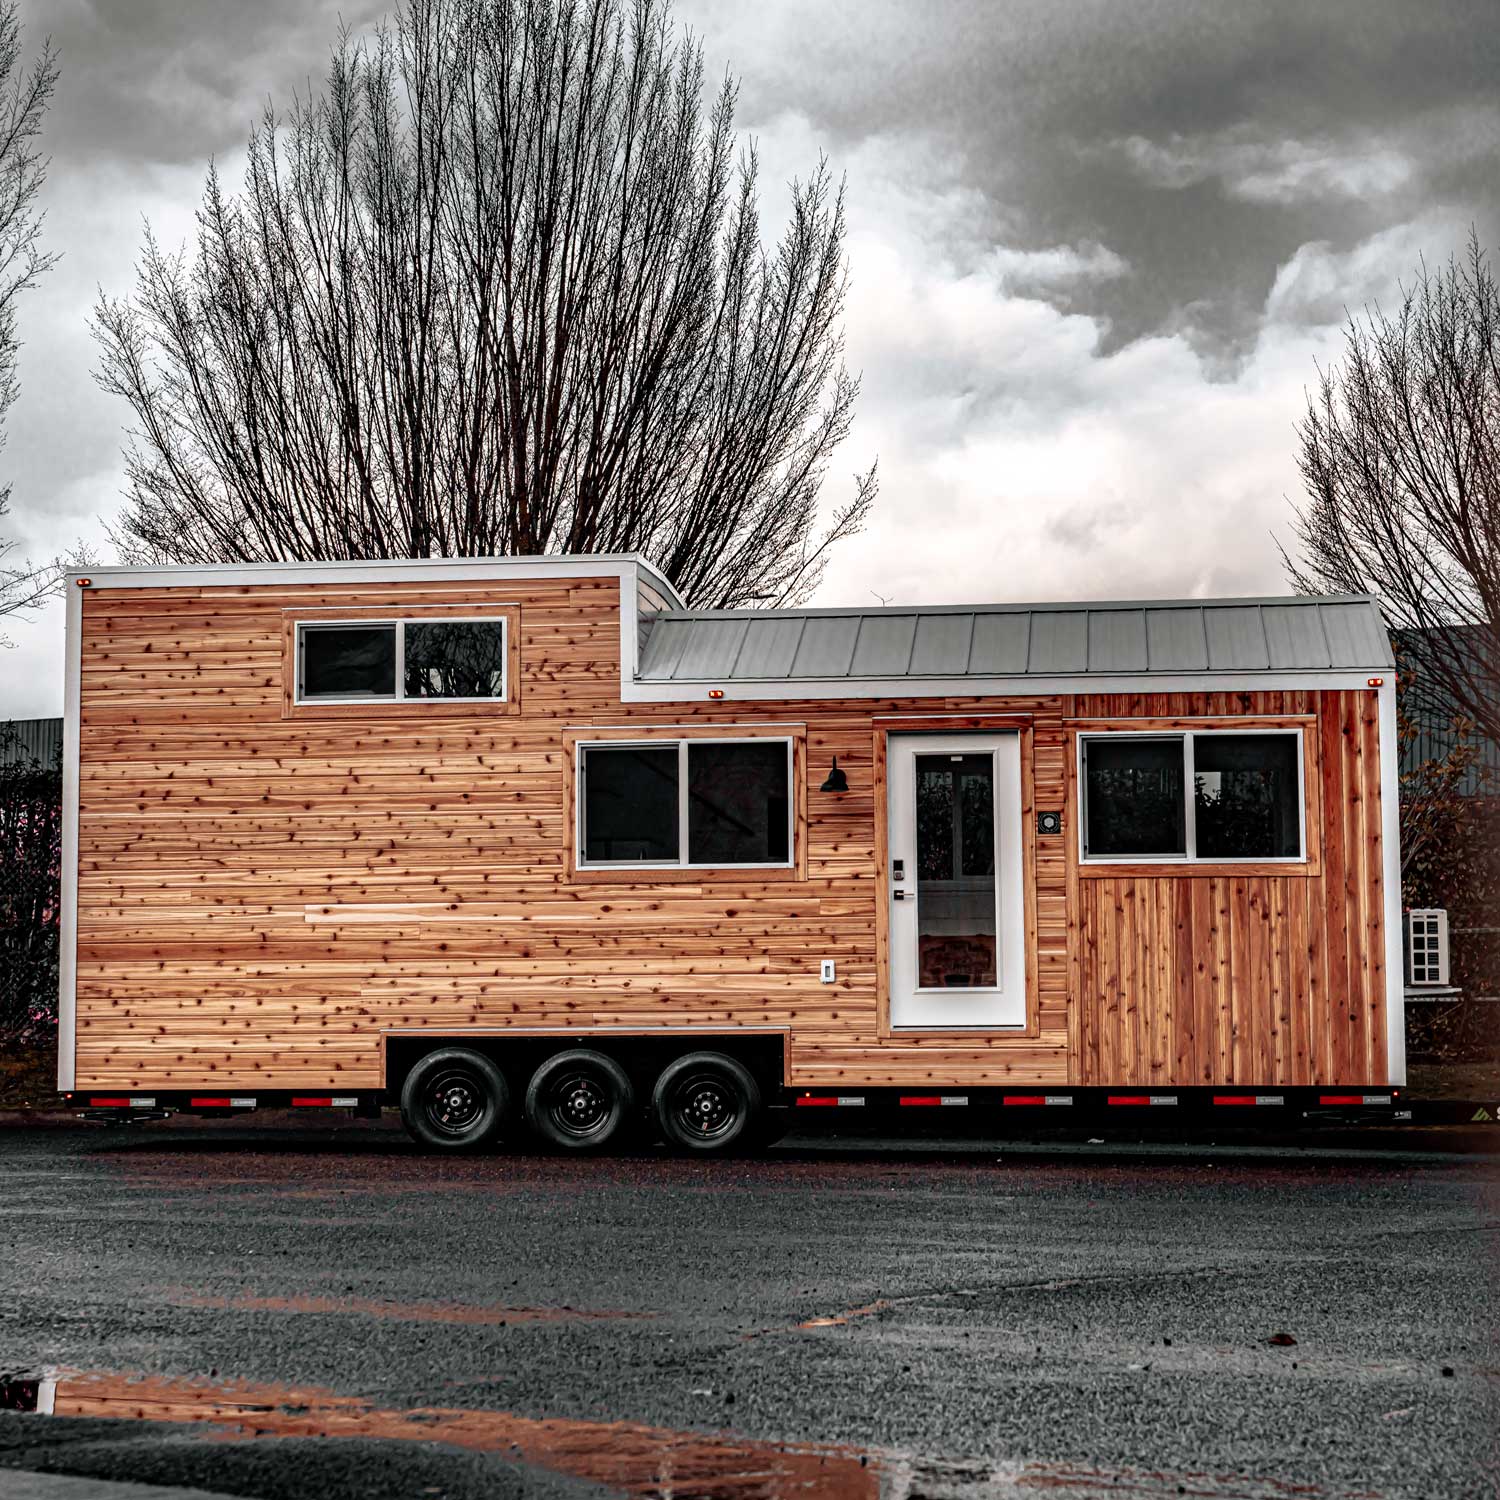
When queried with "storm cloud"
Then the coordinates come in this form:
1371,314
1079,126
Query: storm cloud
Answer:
1097,253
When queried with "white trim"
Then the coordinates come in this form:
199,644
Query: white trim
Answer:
682,863
67,966
937,1009
409,611
1190,855
473,569
1390,843
792,690
400,622
635,726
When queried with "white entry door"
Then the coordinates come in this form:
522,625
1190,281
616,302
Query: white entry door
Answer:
957,914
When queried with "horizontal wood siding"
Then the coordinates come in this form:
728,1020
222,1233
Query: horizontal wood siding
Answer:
263,898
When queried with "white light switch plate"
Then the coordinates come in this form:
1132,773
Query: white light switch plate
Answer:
826,973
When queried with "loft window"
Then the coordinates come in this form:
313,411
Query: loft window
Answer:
686,802
398,660
454,658
348,661
1201,795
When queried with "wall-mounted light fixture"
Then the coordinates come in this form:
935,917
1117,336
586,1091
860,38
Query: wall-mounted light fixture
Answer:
837,781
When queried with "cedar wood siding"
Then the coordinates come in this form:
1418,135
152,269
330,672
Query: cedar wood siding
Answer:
265,890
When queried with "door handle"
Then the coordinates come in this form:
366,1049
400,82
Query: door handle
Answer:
899,895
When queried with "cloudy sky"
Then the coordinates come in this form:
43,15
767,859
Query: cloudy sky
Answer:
1098,250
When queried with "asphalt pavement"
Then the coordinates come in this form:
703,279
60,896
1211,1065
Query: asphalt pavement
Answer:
278,1310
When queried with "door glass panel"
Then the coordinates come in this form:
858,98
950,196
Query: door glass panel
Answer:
955,871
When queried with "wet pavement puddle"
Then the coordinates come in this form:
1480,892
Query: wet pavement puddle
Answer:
631,1458
407,1312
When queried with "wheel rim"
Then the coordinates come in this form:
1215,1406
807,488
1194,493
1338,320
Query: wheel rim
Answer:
706,1106
580,1105
455,1101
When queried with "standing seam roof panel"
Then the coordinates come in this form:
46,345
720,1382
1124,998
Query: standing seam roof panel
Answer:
827,646
1236,639
941,647
883,648
1117,640
711,653
662,649
1000,645
1175,640
769,648
1295,637
1059,641
1354,635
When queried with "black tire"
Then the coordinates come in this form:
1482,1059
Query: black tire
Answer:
579,1101
708,1104
454,1100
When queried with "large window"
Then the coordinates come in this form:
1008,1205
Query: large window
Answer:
1200,795
686,802
371,661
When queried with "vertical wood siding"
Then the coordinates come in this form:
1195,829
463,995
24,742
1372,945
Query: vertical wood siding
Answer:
1253,979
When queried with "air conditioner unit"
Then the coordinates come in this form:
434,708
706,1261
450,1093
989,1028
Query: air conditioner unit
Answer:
1427,946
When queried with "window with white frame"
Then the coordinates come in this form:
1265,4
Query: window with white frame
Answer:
694,802
374,661
1199,795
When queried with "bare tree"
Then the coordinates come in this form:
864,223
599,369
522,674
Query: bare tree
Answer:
24,96
1400,454
500,289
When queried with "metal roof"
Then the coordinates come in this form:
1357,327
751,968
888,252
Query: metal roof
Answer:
1299,634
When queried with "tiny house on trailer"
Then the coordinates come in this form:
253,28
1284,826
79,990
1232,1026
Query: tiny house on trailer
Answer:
527,838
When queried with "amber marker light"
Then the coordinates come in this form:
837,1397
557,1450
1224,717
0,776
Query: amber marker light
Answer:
83,583
1375,682
716,692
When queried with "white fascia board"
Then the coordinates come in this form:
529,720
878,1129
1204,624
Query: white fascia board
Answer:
1390,884
406,570
67,966
791,689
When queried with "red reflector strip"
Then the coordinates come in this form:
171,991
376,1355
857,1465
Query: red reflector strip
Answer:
301,1100
806,1100
110,1102
1354,1098
220,1103
1143,1099
1025,1099
938,1099
1249,1099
